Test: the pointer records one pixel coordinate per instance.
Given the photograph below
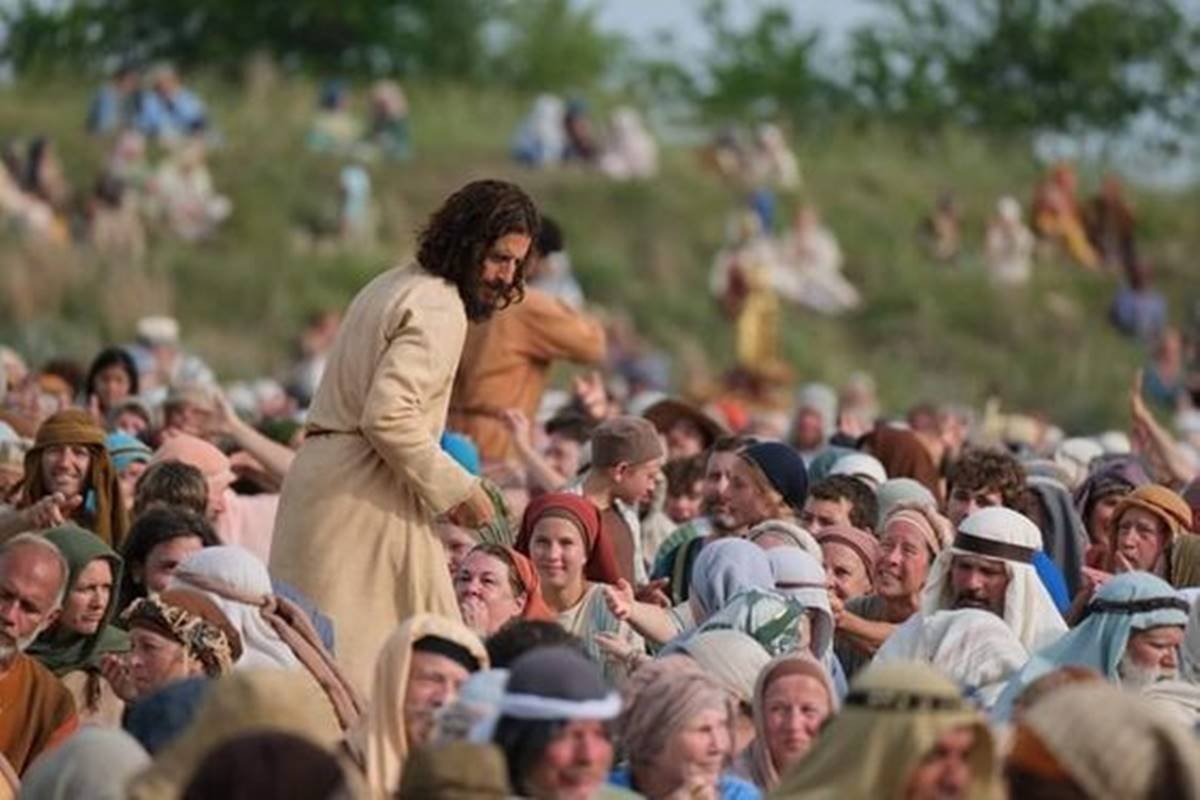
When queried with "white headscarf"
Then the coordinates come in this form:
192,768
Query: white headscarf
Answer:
238,568
970,645
1000,534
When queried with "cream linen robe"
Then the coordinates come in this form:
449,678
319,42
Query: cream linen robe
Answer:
354,527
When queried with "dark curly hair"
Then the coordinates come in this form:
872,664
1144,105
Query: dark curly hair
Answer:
456,239
864,508
990,470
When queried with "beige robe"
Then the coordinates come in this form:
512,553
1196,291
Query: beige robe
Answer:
354,527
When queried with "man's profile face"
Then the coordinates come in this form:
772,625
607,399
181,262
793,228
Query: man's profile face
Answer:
433,681
500,264
979,582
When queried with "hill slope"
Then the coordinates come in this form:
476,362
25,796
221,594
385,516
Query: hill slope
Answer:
927,331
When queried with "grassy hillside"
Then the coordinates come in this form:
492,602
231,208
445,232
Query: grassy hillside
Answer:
928,331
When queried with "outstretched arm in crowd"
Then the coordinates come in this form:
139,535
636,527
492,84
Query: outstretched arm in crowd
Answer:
655,624
1151,441
49,512
539,473
864,635
275,458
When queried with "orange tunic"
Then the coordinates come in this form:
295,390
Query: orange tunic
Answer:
506,361
36,712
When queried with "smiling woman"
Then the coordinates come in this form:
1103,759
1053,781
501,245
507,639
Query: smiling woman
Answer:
560,532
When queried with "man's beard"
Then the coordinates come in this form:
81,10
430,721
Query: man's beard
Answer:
981,603
481,300
1135,676
10,646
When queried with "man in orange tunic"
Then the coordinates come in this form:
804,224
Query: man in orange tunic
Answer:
36,710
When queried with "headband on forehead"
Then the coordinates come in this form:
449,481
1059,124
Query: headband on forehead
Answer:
1131,607
538,707
454,651
990,548
896,700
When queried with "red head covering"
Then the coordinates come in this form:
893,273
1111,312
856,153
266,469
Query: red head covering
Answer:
601,565
535,606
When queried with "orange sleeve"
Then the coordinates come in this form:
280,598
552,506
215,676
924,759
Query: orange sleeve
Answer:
555,330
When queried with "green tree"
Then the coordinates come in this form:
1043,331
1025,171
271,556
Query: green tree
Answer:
1017,66
434,37
550,45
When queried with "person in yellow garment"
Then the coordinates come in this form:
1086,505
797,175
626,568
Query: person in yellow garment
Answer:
354,530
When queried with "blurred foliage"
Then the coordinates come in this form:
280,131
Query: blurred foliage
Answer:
1015,66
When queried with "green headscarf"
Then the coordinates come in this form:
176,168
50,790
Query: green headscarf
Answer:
63,651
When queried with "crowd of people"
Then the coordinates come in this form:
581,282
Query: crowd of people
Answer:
558,133
156,135
417,570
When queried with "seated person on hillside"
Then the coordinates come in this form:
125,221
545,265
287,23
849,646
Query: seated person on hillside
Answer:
541,139
1139,310
334,129
1111,225
114,104
1008,246
941,231
581,138
183,185
772,161
632,152
810,268
116,229
169,109
388,127
1056,217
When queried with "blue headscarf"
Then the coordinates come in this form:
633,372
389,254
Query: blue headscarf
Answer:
124,450
1127,603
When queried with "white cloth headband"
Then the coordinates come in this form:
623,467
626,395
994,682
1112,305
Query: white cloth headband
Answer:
535,706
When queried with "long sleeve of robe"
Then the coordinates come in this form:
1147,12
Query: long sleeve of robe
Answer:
354,527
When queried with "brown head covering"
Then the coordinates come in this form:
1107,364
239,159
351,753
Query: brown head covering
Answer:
76,427
903,456
194,621
1160,501
864,545
666,412
601,565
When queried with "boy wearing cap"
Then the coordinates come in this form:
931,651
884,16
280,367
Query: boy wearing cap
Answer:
627,459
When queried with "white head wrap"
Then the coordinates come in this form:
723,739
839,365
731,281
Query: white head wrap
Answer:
864,466
238,568
970,645
1004,535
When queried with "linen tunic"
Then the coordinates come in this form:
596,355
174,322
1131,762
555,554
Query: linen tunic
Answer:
354,527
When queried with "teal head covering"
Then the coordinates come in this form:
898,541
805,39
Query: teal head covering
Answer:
124,450
1127,603
59,649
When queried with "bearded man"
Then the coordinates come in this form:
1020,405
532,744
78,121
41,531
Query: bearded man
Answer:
354,530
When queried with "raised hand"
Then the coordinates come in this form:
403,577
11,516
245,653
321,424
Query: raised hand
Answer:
619,599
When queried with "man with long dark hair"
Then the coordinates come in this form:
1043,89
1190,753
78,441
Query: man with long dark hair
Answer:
354,529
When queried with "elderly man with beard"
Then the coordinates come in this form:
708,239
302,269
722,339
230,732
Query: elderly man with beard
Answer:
354,530
38,711
989,566
1131,635
69,477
